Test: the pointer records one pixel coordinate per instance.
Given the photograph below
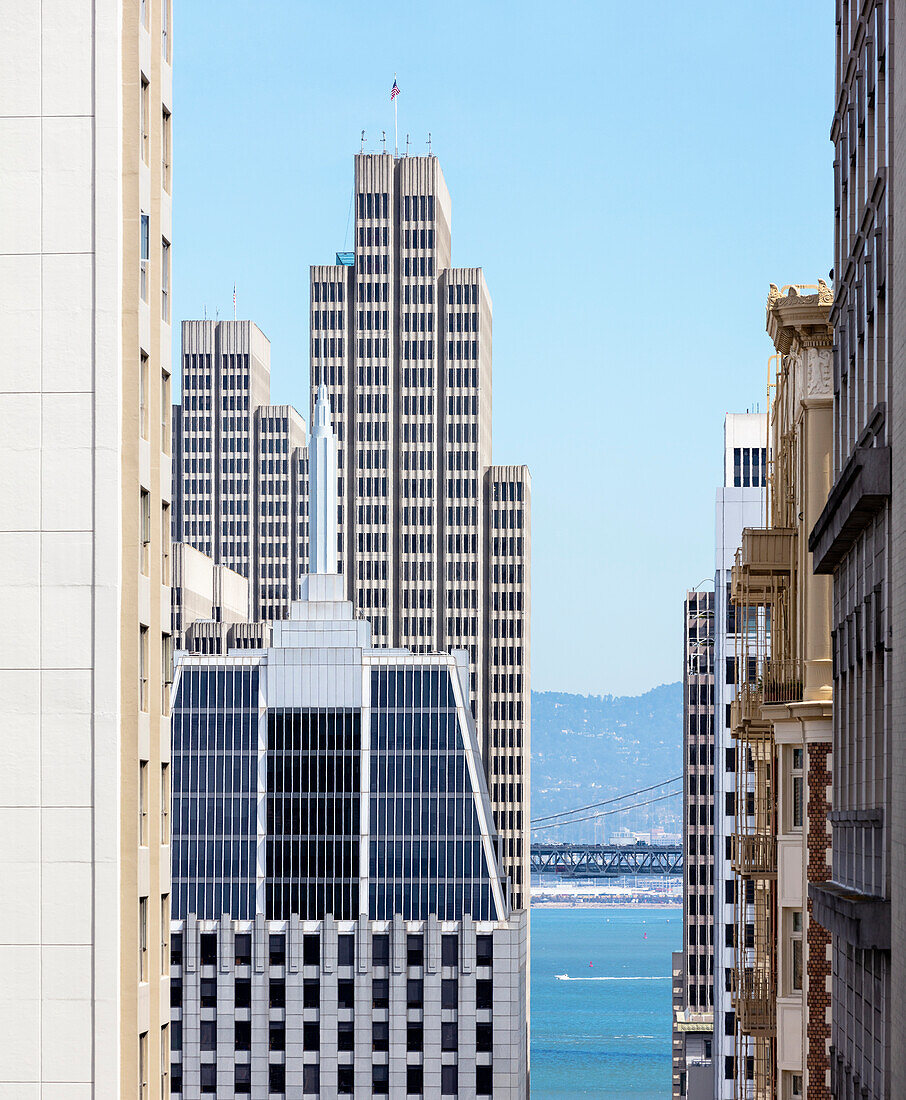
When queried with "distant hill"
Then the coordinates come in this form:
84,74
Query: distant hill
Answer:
586,748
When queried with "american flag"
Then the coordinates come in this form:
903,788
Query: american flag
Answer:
394,91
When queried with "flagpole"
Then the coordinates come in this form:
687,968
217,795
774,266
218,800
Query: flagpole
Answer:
396,141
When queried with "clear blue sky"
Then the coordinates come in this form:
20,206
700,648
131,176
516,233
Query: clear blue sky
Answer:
631,177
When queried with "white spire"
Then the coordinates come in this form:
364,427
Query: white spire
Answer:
322,489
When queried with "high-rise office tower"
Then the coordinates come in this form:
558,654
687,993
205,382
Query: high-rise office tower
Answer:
740,503
85,96
342,921
693,1018
434,540
240,465
859,540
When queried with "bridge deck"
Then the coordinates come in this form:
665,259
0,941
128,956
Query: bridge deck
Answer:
606,860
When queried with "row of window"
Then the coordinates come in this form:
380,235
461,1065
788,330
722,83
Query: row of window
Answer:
311,1079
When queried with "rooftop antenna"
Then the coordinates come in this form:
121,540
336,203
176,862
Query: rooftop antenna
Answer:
407,145
362,150
383,141
429,143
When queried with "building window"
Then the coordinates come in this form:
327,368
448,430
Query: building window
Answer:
164,935
166,665
208,1037
146,119
143,397
143,939
145,254
145,522
165,412
143,803
796,950
143,1065
164,1060
165,140
165,535
797,787
165,279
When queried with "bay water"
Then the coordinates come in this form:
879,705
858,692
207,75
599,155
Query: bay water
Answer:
605,1031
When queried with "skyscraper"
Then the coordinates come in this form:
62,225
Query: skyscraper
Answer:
84,548
343,924
740,503
434,540
240,474
693,1022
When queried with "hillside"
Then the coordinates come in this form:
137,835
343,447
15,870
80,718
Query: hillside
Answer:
586,748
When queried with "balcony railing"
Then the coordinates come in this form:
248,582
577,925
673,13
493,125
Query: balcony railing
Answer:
768,551
782,682
755,1001
746,719
754,854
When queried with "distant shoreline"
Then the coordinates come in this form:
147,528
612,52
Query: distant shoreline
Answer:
606,905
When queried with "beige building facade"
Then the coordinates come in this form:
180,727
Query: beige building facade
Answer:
782,722
85,177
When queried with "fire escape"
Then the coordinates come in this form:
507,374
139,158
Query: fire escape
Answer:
760,592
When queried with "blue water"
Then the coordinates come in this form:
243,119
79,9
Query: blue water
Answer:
602,1038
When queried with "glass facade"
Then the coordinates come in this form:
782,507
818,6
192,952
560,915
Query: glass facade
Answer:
215,784
425,848
313,799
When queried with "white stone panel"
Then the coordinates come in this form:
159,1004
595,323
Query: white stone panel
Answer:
68,1057
20,323
19,1013
66,834
19,923
66,558
66,187
66,337
20,183
66,903
20,74
66,481
20,460
20,705
66,636
66,756
66,82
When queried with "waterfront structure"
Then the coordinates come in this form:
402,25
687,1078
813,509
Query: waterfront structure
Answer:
84,549
342,921
858,541
240,465
781,720
693,1006
740,503
434,540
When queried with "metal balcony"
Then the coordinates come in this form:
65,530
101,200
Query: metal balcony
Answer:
755,1002
754,855
782,682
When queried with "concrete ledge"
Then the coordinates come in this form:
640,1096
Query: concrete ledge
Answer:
860,919
862,489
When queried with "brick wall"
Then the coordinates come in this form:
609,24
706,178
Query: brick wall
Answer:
818,958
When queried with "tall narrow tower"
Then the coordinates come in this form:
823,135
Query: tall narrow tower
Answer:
434,541
85,232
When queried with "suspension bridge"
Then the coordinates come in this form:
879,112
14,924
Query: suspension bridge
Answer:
570,859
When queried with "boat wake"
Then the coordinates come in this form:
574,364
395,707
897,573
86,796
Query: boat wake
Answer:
615,978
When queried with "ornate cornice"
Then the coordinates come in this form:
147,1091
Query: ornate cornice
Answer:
803,319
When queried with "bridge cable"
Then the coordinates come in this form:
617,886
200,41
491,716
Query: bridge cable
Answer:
604,813
607,801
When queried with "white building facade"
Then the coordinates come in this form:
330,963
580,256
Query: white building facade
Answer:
740,503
